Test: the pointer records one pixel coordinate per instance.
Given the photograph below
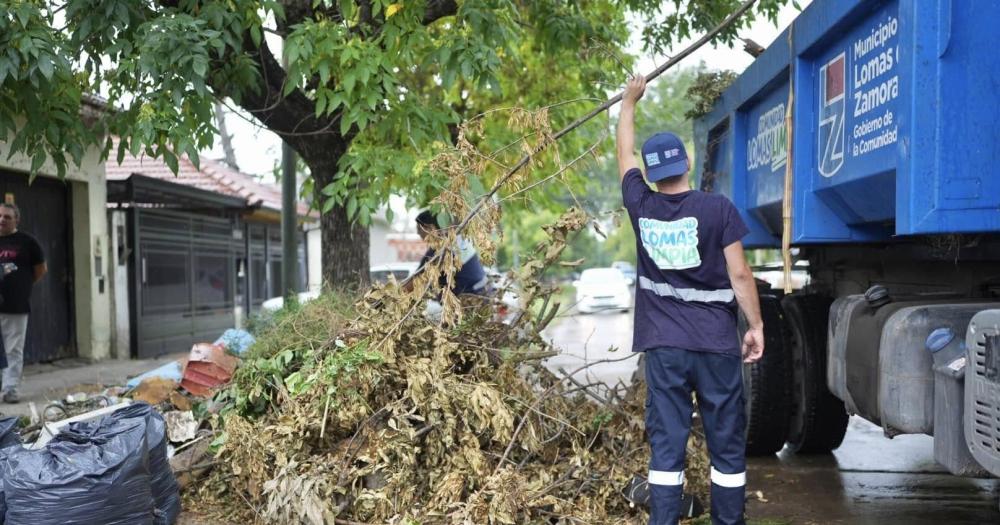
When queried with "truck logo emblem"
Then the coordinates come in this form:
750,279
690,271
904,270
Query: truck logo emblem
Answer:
831,115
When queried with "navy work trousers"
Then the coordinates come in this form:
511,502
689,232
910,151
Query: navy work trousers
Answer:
671,376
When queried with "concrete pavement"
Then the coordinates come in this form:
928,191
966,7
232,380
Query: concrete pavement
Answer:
43,383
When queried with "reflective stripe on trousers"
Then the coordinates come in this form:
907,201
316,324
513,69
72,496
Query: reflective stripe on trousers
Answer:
672,374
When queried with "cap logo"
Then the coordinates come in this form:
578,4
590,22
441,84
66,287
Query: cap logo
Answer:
652,159
671,153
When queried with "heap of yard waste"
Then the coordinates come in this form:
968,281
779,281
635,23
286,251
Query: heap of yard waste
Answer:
371,413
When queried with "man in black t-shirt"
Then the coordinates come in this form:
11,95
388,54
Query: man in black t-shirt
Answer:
22,264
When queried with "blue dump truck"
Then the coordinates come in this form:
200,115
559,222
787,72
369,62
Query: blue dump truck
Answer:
869,134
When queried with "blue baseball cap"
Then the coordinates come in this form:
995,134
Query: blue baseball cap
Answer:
664,156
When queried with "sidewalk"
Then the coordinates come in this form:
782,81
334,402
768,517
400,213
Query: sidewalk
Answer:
47,382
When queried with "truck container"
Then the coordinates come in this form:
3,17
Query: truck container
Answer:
879,122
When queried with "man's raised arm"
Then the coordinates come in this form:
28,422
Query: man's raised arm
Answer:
626,125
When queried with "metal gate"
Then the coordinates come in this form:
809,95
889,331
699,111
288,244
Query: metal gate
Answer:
185,280
45,214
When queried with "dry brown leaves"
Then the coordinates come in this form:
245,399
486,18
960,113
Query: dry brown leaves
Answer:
454,422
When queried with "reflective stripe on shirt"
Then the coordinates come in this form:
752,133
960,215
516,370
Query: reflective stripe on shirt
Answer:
687,294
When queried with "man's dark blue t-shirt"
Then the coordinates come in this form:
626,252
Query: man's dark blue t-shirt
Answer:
471,278
683,297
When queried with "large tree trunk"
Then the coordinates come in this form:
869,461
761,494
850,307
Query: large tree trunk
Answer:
345,250
345,243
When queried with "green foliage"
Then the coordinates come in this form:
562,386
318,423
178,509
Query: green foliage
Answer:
705,90
37,80
380,79
293,351
621,241
596,186
665,26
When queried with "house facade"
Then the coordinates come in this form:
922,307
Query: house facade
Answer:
143,262
194,253
70,306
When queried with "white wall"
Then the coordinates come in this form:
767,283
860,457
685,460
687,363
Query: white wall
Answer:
314,252
88,195
379,251
119,281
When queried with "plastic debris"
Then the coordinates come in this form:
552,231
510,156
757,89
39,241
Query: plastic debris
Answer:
52,429
181,426
8,438
208,367
236,341
172,370
8,432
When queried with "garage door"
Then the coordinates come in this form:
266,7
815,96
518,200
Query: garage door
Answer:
186,280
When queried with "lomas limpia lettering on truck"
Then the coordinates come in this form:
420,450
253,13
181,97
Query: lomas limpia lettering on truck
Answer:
768,146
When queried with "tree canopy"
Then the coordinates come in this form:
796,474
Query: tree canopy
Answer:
365,91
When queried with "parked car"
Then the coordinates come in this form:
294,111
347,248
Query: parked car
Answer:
378,274
627,269
602,289
277,303
399,271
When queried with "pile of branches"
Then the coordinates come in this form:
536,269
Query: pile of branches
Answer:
390,417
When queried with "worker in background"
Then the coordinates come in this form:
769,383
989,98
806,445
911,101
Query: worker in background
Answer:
471,278
692,273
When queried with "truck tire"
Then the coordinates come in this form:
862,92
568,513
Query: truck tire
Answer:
818,420
766,383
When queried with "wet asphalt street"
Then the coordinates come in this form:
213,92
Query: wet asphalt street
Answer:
869,480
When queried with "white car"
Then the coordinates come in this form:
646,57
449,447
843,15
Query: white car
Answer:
379,274
774,274
277,303
627,270
602,289
398,271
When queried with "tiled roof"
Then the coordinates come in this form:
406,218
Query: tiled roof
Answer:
213,176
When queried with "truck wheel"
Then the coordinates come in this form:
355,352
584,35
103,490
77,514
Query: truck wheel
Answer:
766,383
818,419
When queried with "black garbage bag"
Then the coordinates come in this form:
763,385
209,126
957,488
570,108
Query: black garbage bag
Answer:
166,492
81,478
9,437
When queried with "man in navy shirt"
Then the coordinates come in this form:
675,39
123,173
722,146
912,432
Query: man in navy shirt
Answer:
691,275
471,278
